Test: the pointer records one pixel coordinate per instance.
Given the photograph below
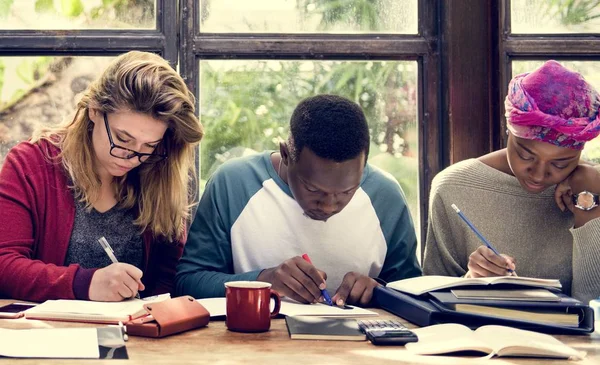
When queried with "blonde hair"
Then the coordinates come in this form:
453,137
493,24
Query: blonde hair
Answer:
144,83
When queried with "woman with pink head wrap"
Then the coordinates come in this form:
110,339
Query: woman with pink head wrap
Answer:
534,200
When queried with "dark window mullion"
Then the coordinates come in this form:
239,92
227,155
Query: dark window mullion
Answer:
91,42
188,62
312,46
431,141
167,23
538,45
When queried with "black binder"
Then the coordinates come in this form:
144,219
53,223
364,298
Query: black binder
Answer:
425,310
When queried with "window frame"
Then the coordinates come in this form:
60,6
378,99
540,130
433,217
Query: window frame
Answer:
422,48
163,40
531,47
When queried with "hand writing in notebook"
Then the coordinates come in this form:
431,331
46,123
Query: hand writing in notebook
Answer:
296,278
117,281
483,262
302,281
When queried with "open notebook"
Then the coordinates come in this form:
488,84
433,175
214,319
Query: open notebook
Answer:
490,340
217,307
424,284
93,312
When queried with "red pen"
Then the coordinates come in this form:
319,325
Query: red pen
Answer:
323,291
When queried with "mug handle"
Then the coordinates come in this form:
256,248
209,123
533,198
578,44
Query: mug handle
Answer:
277,300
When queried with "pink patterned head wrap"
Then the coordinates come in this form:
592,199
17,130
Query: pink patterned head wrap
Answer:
554,105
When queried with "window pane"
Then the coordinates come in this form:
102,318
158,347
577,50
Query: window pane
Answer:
556,16
308,16
77,14
40,91
591,72
246,107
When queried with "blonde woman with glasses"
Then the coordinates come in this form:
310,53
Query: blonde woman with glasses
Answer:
122,169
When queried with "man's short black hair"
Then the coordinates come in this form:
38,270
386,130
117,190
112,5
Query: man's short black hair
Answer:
331,126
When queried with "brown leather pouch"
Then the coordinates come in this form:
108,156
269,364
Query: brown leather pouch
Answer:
171,316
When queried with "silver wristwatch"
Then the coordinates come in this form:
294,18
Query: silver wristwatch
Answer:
586,200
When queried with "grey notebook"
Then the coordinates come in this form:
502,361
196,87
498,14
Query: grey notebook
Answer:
320,328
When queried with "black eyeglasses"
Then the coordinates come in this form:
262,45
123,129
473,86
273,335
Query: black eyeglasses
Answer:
126,154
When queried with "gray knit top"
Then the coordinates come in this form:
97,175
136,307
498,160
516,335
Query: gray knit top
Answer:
116,225
529,227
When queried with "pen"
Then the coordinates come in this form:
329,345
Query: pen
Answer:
483,239
111,255
123,329
323,291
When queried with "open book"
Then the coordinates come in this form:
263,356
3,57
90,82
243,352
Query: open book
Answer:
93,312
491,340
424,284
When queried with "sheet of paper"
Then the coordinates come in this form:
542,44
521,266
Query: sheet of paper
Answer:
87,307
217,307
423,284
214,306
50,343
293,308
95,308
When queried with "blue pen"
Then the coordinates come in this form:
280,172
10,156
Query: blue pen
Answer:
324,291
485,241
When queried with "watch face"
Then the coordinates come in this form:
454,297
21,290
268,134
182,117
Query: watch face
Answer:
585,200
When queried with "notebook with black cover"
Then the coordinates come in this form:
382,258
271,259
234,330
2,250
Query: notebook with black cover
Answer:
424,311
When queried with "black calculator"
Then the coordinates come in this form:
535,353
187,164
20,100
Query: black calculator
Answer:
386,332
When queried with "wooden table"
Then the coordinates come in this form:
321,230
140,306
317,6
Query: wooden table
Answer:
216,345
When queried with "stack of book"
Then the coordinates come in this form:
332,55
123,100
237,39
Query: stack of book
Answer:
522,302
539,305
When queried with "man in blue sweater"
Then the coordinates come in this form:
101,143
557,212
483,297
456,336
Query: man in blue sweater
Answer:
317,196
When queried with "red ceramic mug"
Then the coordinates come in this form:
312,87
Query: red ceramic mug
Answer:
248,306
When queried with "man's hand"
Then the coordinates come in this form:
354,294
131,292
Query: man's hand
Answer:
116,282
484,262
356,289
297,279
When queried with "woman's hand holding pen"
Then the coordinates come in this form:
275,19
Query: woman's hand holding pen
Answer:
356,289
297,279
484,262
116,282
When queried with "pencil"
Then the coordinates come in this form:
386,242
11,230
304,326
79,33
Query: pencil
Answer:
479,235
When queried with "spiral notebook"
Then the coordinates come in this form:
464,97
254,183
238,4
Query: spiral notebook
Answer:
92,312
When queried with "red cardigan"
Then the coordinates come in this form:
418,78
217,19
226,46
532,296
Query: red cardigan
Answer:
37,213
